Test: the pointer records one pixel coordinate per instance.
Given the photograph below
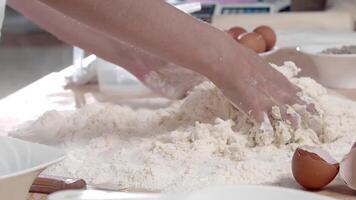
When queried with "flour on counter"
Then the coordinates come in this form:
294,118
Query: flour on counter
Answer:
199,141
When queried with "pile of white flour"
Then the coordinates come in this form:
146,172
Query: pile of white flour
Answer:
199,141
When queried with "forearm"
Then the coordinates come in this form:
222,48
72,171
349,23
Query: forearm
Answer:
123,54
154,26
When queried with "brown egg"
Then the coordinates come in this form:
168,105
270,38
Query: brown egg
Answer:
348,168
313,168
268,34
236,31
253,41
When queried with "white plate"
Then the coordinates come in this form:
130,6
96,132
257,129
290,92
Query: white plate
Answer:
253,192
20,164
214,193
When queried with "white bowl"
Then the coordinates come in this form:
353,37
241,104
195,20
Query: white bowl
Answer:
250,192
20,163
334,70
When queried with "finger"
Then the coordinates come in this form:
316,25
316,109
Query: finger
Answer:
295,99
311,108
310,120
290,116
262,108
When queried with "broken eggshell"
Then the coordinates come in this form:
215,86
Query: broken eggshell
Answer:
313,168
348,168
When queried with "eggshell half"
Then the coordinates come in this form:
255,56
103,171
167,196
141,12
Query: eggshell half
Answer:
313,168
353,146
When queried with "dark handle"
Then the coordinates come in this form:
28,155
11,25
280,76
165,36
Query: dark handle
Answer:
49,184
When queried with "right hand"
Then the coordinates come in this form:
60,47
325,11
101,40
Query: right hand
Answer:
254,87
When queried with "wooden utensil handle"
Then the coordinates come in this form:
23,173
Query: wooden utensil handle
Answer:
49,184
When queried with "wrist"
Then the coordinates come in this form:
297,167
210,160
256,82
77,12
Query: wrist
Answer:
227,61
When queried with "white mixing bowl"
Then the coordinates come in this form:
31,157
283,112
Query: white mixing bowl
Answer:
20,163
334,70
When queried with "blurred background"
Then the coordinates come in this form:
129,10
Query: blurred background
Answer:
28,53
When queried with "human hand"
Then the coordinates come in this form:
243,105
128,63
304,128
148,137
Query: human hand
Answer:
254,87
